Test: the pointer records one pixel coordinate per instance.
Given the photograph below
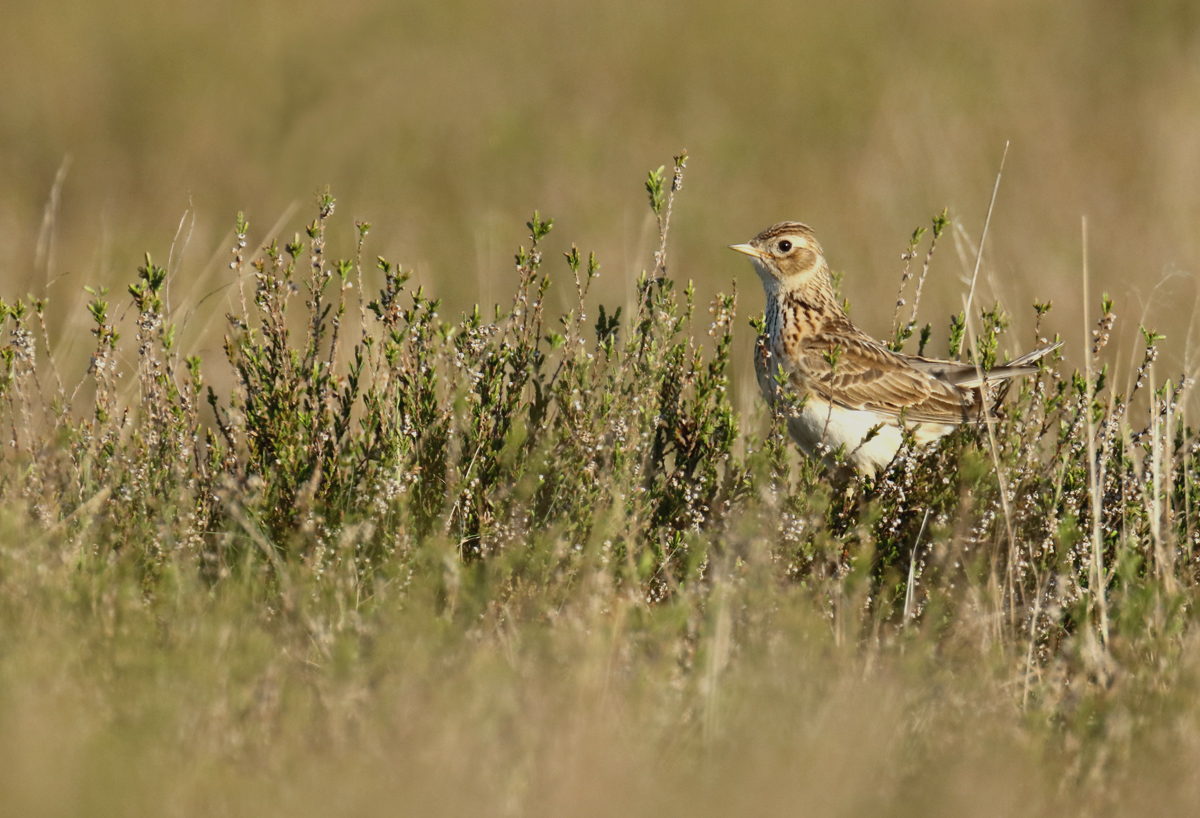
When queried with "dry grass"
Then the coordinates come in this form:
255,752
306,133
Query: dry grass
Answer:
522,566
495,569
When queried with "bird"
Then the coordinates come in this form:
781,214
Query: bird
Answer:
849,392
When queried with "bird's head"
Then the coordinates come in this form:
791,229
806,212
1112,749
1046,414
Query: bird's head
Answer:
786,257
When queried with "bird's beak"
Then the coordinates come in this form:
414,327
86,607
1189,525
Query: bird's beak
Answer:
747,249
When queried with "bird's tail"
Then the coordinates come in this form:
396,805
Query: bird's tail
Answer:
1033,357
1024,365
967,376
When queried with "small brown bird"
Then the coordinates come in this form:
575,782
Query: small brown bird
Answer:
852,390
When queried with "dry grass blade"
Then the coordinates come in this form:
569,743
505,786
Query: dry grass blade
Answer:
1097,574
983,238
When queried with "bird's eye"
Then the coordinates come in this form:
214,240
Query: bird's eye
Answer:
784,246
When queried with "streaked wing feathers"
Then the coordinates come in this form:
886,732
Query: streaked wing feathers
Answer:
865,375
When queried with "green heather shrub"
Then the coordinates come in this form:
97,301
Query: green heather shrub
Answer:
551,445
382,487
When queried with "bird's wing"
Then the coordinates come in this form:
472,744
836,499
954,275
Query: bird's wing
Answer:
854,371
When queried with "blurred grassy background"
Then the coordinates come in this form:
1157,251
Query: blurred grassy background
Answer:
446,124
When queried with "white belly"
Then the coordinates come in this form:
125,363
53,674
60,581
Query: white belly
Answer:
870,439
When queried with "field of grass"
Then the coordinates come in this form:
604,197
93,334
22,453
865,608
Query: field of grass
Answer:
519,562
290,525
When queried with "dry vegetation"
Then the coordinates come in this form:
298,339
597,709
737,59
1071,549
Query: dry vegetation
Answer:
523,564
316,535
